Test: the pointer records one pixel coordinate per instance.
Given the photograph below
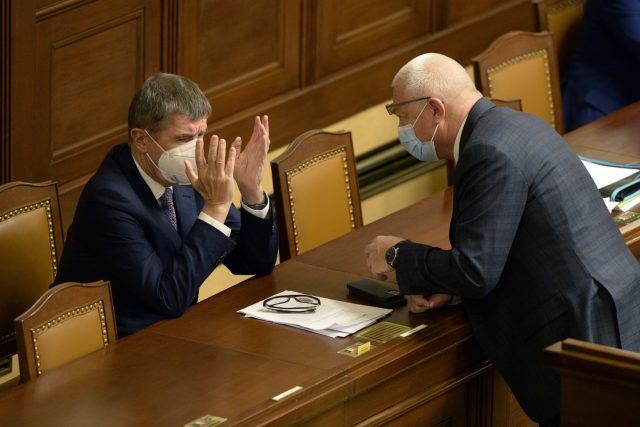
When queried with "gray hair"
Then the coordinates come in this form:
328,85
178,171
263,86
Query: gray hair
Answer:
433,74
161,97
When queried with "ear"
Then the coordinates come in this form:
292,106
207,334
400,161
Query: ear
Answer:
437,108
139,140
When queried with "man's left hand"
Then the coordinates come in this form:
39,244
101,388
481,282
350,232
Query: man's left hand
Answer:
420,303
249,165
375,252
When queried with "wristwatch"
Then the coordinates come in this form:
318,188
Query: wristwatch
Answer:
258,206
391,256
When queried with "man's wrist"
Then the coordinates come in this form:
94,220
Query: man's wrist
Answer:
257,206
391,255
218,211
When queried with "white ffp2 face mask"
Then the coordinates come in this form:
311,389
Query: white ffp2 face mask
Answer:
423,151
171,163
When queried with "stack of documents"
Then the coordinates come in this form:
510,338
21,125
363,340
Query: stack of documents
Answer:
332,318
619,184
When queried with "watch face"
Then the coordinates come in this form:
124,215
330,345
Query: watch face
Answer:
390,256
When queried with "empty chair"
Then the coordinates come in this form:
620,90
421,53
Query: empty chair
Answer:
68,321
316,191
524,66
30,245
562,19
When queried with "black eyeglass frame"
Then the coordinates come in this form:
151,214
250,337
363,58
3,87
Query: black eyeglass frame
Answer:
391,107
312,305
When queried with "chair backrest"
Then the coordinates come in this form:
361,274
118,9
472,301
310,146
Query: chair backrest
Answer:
562,19
68,321
30,245
316,191
523,65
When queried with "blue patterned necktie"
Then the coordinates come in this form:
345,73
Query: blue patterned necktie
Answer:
166,202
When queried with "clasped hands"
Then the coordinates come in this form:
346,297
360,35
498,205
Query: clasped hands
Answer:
375,254
216,172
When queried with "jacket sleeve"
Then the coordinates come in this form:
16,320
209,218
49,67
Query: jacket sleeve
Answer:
162,271
490,199
256,243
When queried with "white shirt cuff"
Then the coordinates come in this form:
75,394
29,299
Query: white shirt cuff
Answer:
215,223
262,213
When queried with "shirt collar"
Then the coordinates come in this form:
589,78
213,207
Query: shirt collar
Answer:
156,188
456,144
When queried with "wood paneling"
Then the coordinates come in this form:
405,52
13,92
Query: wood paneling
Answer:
348,31
5,91
454,12
73,84
241,52
600,384
74,65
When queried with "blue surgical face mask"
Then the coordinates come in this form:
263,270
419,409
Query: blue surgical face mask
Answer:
423,151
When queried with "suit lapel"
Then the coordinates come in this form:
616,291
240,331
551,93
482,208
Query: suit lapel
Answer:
186,208
124,159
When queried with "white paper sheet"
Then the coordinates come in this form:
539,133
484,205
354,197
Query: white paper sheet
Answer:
604,175
332,318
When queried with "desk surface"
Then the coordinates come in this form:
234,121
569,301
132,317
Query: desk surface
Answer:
614,138
214,361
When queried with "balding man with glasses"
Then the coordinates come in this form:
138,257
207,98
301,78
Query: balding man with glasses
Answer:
535,255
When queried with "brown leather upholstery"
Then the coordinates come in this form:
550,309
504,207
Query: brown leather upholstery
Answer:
524,66
30,244
316,191
562,19
68,321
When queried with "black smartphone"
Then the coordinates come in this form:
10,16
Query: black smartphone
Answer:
377,293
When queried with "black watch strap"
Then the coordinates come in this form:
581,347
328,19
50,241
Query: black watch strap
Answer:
258,206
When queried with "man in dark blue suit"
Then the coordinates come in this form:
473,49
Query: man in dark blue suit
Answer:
602,75
535,258
157,217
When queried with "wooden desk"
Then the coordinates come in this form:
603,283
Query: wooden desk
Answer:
214,361
426,221
614,138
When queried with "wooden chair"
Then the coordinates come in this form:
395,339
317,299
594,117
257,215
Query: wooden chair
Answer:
68,321
562,19
30,244
316,191
523,65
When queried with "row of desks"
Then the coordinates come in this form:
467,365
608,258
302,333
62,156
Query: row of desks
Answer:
214,361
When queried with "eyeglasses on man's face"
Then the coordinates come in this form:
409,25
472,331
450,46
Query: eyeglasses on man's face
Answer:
298,303
391,108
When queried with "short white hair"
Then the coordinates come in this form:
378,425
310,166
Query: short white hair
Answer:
433,74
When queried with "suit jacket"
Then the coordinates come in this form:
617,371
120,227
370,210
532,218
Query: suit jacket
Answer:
602,74
120,233
535,254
